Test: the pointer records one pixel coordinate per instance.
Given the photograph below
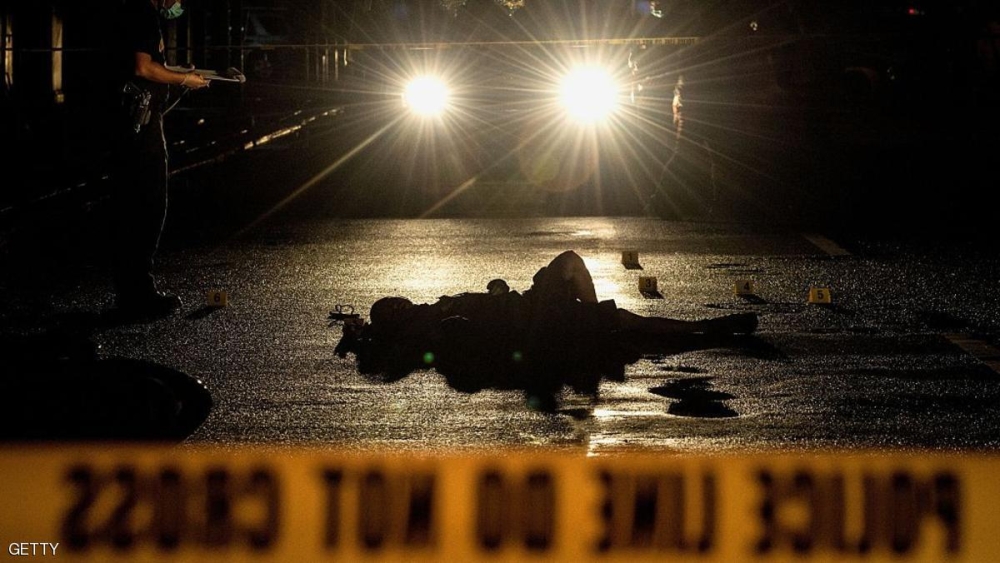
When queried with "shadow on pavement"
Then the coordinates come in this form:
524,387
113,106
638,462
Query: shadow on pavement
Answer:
696,398
471,364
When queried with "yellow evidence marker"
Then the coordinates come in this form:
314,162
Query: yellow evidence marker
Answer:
744,287
820,296
630,258
647,284
217,298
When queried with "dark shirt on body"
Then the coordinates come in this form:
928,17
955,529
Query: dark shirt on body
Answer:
510,317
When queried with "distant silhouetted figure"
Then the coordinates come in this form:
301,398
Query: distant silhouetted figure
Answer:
554,333
140,184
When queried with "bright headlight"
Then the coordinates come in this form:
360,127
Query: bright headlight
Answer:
589,94
426,95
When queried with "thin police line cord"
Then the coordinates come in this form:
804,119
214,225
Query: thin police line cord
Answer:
666,40
417,46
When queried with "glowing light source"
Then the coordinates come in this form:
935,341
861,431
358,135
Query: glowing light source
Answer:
427,96
589,94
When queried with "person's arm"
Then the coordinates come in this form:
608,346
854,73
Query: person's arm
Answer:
146,67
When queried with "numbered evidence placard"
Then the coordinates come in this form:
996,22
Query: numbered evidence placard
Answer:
820,296
200,505
630,259
647,284
216,298
744,287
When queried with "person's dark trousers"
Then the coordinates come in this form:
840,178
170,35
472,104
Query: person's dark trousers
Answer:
140,207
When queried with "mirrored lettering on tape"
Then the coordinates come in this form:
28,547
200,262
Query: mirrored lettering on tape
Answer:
124,507
898,508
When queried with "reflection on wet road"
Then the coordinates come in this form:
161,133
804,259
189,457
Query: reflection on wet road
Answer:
872,370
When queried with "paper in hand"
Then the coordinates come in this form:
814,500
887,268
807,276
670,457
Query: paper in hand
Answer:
229,75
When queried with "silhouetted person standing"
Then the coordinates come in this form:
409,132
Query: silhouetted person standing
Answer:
140,182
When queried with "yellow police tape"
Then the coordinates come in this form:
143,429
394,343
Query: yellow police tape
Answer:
638,41
160,504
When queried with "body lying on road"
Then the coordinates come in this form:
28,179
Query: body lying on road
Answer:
555,333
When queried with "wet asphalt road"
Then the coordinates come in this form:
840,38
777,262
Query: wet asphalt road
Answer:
873,371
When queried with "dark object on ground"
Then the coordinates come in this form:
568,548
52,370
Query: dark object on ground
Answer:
696,398
147,306
55,389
